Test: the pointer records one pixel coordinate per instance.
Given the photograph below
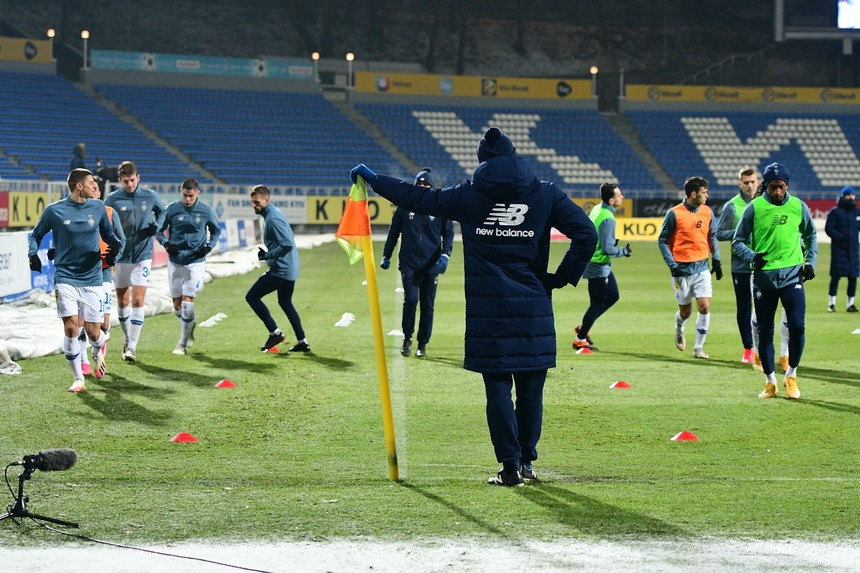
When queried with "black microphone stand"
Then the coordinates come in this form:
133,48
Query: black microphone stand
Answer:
20,507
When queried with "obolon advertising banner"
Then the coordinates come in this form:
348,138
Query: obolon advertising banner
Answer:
472,86
727,94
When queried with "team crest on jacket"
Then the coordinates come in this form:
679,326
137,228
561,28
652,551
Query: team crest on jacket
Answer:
143,207
90,221
507,215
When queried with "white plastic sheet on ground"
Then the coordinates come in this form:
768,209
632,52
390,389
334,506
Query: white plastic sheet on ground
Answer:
30,328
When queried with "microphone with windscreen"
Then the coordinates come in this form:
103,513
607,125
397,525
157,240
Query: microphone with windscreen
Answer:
49,460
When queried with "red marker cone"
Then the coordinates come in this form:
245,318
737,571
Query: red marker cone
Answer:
585,351
225,384
620,384
685,437
183,437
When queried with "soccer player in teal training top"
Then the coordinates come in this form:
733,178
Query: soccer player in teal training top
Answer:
77,224
140,211
192,230
777,237
283,261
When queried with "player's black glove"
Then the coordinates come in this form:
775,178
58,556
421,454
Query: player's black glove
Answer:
261,254
808,273
35,263
171,249
717,269
151,230
676,272
385,264
52,253
626,250
110,256
759,261
553,281
202,251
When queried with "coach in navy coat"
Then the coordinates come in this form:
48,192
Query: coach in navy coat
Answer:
506,214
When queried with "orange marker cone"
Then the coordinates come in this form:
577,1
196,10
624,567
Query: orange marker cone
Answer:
620,384
225,384
685,437
585,351
183,437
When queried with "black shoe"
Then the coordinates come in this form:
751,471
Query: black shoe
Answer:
851,308
587,334
406,349
831,308
301,346
528,473
422,351
272,341
508,480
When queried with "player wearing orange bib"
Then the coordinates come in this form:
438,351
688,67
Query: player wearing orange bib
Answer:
687,239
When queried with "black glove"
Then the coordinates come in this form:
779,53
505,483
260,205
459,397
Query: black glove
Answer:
51,253
808,273
626,250
261,254
676,272
110,256
717,269
171,249
202,251
151,230
35,263
385,264
553,281
759,261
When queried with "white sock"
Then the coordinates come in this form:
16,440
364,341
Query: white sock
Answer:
849,302
790,372
98,343
72,350
771,378
187,321
679,322
135,324
703,321
123,313
831,300
81,338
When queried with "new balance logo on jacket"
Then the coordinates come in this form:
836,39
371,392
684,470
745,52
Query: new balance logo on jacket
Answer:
503,215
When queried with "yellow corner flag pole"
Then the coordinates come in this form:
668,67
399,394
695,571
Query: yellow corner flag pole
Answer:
381,366
354,226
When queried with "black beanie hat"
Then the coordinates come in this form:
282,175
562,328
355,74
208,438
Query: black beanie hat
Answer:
424,177
495,143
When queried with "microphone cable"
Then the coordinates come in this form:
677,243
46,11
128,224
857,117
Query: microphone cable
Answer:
145,550
120,545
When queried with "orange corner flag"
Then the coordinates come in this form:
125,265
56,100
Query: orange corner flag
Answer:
355,222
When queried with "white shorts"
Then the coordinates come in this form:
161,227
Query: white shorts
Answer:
185,280
107,297
132,274
85,301
689,288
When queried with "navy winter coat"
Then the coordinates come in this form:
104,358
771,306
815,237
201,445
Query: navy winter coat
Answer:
422,236
843,228
506,214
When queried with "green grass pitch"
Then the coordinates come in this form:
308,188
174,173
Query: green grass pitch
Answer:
296,450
